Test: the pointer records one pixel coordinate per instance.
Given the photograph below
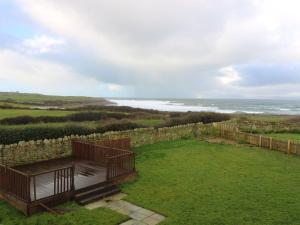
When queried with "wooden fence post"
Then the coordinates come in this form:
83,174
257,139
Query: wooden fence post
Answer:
237,134
2,155
260,140
289,147
28,182
73,178
271,139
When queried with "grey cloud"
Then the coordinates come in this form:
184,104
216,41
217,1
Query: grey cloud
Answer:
174,48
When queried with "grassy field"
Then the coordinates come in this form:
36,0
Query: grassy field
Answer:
77,216
89,124
39,99
8,113
149,122
265,117
285,136
193,182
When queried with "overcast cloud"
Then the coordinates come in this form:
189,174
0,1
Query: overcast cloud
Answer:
139,48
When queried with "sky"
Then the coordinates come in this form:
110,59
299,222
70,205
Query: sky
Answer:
151,49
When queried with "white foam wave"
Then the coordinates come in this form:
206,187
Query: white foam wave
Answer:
170,106
283,109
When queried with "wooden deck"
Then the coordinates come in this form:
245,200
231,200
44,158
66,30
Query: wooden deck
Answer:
90,173
86,173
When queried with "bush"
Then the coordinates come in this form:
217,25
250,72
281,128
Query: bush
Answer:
191,117
14,135
29,119
87,116
118,127
112,108
77,117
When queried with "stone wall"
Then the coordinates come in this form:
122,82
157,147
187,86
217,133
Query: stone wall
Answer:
33,151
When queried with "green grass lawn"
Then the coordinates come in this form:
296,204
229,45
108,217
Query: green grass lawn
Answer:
89,124
149,122
194,182
78,216
8,113
32,99
285,136
264,117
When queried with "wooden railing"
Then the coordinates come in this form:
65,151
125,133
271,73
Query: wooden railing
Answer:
118,162
121,143
15,183
95,152
120,165
25,186
83,150
232,133
86,150
63,182
29,187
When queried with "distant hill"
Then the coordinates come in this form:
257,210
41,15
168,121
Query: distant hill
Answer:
40,100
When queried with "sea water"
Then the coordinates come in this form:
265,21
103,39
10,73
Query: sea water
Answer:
254,106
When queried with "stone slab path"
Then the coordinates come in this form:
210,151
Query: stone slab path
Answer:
138,215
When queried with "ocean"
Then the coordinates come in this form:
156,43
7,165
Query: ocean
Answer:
252,106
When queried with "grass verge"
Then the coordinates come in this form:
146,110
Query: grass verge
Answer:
77,216
195,182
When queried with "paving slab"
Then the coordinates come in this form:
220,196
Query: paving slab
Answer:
138,215
125,211
146,212
151,221
116,204
95,205
158,217
116,197
133,207
133,222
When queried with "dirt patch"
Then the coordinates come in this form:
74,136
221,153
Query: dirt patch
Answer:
218,140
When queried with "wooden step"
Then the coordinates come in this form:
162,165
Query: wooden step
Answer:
53,211
97,197
95,193
92,187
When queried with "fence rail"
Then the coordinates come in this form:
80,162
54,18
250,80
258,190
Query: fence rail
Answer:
28,187
15,183
118,162
63,181
120,165
231,132
121,143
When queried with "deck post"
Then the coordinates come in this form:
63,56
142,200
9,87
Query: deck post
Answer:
34,188
107,169
133,161
260,140
72,178
289,147
28,188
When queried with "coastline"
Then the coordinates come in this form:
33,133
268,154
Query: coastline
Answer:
230,106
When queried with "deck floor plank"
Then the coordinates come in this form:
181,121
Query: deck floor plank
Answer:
87,173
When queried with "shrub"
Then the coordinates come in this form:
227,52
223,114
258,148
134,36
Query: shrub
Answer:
124,125
87,116
77,117
14,135
191,117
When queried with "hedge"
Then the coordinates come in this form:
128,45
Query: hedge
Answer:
196,117
77,117
14,135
